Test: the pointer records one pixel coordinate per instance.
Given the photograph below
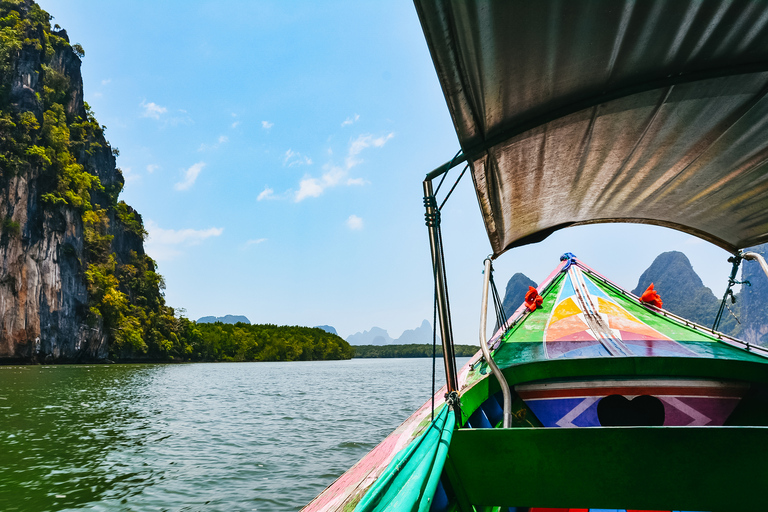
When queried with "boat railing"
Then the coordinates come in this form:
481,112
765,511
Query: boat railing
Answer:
507,421
753,256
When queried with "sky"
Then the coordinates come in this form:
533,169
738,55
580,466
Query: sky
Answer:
276,150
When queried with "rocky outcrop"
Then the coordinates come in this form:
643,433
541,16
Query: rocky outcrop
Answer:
44,300
683,292
514,295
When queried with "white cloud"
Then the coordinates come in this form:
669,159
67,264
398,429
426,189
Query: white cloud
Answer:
152,110
223,139
97,94
190,176
356,181
362,142
256,241
235,124
267,193
350,120
355,223
309,187
314,187
106,81
166,244
152,168
293,158
267,125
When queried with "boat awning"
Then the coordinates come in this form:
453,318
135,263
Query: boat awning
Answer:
591,111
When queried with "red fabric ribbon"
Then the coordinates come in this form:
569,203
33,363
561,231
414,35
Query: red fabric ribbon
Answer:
533,299
650,296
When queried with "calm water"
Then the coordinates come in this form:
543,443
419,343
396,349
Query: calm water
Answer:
229,436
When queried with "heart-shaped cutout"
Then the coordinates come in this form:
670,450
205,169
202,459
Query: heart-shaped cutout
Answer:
641,411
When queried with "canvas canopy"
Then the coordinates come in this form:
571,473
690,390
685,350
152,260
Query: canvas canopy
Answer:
585,111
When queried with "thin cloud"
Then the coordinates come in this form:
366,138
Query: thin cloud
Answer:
167,244
256,241
152,110
152,168
129,176
355,223
190,176
293,158
223,139
267,125
267,193
362,142
235,124
350,120
334,175
106,81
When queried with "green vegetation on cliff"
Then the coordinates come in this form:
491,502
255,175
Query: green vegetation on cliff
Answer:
55,135
51,139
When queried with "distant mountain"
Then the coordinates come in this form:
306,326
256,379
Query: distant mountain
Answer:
327,328
517,287
683,292
376,336
417,336
754,300
228,319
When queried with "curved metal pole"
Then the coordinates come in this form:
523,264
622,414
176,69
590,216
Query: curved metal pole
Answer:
507,423
753,256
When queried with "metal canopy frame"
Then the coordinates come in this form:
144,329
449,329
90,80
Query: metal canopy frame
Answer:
514,73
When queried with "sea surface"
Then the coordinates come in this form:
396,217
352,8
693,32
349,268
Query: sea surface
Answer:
189,437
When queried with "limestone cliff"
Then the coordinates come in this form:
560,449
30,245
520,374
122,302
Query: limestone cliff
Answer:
66,240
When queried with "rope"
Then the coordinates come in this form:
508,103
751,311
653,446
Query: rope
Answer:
501,315
453,187
452,399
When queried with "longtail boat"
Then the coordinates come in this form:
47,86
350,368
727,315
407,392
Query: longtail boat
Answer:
588,397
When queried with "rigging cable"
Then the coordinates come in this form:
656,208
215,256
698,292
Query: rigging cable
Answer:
453,187
445,174
501,316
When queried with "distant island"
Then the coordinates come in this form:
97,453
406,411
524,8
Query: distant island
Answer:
379,336
226,319
327,328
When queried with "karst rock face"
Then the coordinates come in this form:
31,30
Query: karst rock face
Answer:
43,287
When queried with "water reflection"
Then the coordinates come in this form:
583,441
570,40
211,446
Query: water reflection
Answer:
245,436
59,425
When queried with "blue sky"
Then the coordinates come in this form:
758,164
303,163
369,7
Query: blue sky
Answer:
276,150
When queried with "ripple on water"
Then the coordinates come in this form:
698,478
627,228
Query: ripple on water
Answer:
246,436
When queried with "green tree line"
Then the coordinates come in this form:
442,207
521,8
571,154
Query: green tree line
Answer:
266,342
410,350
